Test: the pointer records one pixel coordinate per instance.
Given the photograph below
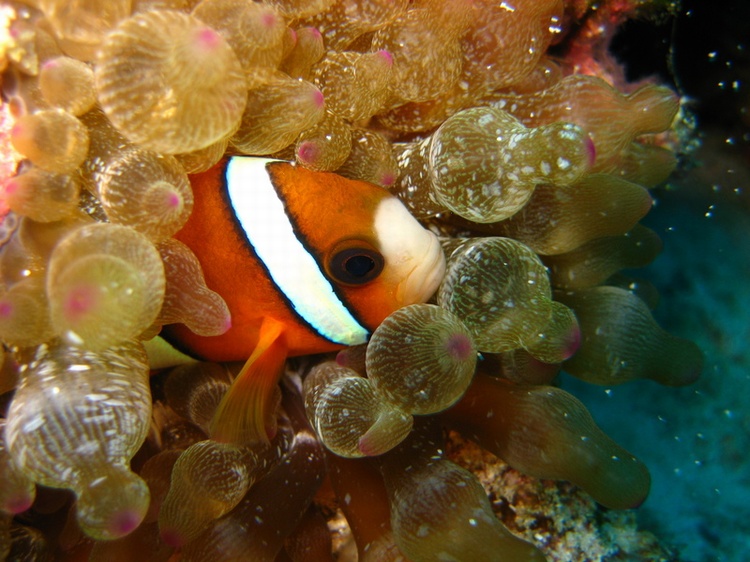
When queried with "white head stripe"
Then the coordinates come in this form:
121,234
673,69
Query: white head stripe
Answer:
295,272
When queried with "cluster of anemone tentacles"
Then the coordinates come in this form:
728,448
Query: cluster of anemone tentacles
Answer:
535,179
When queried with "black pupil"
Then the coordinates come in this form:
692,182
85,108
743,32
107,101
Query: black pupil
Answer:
359,265
356,266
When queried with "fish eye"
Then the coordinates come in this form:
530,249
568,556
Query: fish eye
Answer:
356,266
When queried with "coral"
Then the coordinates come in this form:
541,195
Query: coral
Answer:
534,177
556,515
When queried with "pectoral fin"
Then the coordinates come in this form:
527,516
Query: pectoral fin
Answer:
247,411
162,354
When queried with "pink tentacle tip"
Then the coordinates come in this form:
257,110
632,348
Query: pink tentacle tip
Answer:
386,55
208,39
79,301
590,150
125,522
318,99
649,202
573,343
459,347
366,447
172,537
343,358
387,179
6,309
308,152
268,19
18,503
173,200
10,187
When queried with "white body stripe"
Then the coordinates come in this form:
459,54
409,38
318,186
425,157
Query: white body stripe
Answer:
295,272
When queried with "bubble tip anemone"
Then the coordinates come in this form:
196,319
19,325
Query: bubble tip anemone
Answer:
205,44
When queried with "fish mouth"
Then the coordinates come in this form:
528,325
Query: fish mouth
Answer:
416,264
424,279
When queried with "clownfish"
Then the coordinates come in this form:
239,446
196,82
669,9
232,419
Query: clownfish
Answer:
307,262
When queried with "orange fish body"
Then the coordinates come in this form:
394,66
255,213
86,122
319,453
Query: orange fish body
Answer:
307,262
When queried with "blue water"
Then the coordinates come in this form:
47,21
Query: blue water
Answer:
696,439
